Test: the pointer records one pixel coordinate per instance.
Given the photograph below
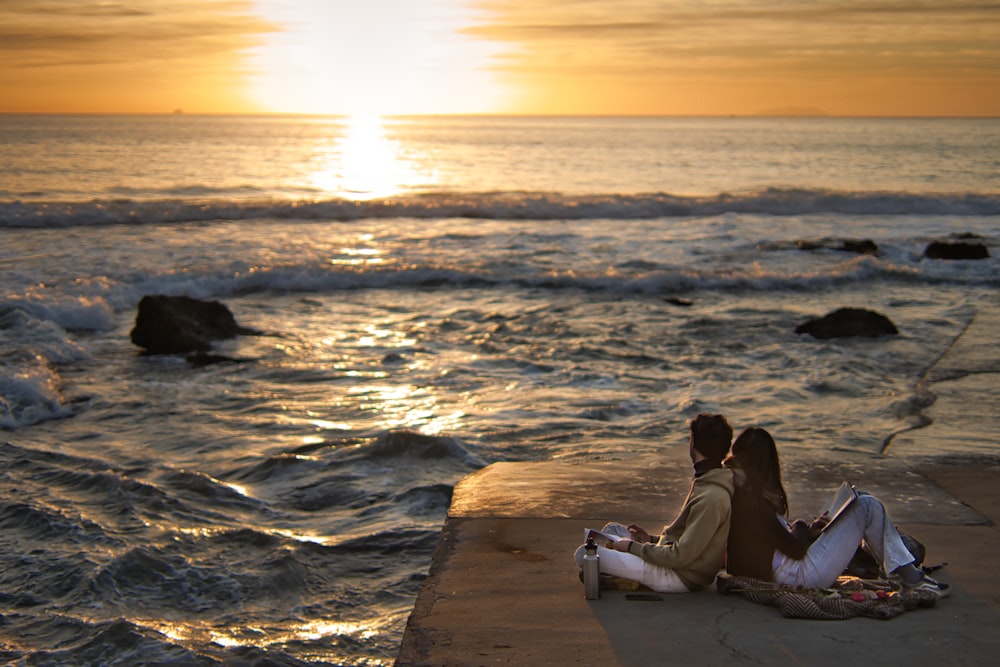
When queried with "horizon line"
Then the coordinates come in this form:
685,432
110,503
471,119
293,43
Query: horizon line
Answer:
293,114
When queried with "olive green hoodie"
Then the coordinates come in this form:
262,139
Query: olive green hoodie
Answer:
694,545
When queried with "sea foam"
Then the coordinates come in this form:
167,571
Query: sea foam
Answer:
516,206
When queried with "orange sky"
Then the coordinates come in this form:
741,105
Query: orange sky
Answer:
840,57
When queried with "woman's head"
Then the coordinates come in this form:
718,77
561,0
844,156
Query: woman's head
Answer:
755,453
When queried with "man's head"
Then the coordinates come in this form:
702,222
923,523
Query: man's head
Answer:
711,436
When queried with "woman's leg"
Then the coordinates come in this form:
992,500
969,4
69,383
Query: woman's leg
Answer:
866,520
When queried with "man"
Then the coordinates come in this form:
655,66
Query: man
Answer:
689,551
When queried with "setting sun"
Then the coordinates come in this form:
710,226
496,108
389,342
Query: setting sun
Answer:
375,57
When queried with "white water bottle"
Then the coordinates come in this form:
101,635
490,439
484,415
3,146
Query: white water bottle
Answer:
591,571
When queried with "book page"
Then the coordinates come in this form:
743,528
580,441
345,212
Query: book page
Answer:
600,539
841,500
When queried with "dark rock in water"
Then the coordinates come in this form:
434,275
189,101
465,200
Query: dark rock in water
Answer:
679,301
859,246
180,324
848,322
958,250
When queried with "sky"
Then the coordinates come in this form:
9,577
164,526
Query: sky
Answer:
673,57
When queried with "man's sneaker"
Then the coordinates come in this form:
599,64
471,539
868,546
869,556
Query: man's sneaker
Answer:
927,586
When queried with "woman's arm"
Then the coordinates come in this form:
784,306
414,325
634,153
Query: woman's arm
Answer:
793,542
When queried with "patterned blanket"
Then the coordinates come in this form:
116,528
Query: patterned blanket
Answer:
847,598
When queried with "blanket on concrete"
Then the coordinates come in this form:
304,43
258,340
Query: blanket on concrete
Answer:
847,598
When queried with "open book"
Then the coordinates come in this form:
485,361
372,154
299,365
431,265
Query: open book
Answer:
600,539
841,501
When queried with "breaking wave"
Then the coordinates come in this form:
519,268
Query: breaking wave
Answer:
502,205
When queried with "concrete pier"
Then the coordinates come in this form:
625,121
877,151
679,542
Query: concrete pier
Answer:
503,587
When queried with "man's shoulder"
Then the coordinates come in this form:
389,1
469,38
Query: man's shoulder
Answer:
716,476
718,481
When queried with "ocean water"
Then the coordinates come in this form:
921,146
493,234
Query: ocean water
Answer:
432,295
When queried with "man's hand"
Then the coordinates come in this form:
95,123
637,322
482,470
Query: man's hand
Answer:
638,534
621,545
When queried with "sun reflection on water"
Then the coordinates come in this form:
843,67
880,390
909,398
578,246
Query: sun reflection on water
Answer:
358,257
260,637
366,163
312,538
381,336
373,357
407,407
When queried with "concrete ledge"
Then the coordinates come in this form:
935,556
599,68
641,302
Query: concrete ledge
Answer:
504,588
648,492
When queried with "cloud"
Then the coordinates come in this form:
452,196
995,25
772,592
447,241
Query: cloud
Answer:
55,33
612,34
733,56
51,8
141,56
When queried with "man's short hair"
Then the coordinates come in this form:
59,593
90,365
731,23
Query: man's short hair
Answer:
711,435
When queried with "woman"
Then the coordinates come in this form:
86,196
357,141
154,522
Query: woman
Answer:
763,545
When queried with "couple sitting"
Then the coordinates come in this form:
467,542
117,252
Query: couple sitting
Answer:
734,512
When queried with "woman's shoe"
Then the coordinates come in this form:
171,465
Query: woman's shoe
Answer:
930,586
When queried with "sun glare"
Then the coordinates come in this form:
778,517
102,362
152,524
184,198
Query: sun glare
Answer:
373,57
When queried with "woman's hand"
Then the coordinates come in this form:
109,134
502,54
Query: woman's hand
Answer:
638,534
621,545
818,524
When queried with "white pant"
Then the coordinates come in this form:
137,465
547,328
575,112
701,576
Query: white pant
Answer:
630,566
828,556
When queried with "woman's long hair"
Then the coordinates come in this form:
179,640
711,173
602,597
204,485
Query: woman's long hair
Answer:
756,455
